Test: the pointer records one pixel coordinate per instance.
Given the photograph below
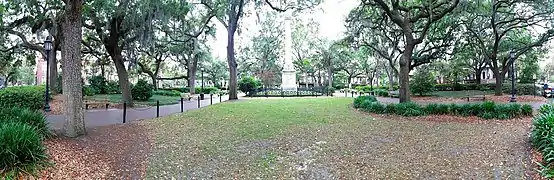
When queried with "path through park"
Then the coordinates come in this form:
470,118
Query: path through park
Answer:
102,117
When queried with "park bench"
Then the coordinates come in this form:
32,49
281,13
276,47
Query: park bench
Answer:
105,102
186,96
476,96
394,94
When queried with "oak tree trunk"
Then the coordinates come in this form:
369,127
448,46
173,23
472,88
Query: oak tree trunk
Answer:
123,76
71,55
404,78
231,60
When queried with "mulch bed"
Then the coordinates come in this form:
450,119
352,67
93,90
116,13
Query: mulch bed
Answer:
111,152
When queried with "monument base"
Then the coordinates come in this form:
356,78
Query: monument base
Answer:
289,81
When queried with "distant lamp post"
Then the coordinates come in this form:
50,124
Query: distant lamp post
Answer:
47,49
513,60
202,88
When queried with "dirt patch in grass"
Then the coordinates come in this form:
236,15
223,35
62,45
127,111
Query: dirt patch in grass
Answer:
112,152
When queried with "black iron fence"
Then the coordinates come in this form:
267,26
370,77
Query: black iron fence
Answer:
279,92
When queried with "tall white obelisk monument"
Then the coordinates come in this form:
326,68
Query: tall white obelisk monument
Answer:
289,73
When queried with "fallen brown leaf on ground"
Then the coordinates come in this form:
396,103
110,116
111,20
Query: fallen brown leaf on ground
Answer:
112,152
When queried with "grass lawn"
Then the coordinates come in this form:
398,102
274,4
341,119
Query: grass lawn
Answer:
116,98
324,138
460,94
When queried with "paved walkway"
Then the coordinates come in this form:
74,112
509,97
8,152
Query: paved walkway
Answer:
103,117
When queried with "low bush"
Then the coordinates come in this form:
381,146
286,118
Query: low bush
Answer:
381,93
409,109
88,91
33,118
207,90
423,82
21,150
360,99
248,85
142,91
31,97
527,110
112,87
487,110
547,108
98,84
542,139
374,107
167,93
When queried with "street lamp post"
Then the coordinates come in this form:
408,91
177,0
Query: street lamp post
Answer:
47,49
513,59
202,88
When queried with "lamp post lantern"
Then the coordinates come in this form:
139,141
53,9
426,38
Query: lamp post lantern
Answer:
47,49
202,88
513,60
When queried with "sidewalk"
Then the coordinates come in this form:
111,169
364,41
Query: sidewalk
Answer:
96,118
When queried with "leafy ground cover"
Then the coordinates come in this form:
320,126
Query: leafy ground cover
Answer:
308,138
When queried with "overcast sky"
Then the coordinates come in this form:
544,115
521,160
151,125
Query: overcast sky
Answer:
331,22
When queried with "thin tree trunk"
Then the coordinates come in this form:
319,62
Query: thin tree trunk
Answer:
498,85
71,52
478,76
53,70
330,76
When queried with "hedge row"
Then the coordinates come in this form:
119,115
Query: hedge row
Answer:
521,89
197,90
542,139
31,97
486,110
21,148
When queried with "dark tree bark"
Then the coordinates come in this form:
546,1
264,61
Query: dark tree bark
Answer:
71,53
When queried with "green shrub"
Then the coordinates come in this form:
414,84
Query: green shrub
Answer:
454,109
142,91
466,110
21,150
423,82
527,110
432,109
329,90
88,91
542,139
547,108
488,106
207,90
360,99
522,89
487,115
373,107
112,87
167,93
390,109
181,90
32,118
513,110
248,85
31,97
409,109
381,92
443,109
98,84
